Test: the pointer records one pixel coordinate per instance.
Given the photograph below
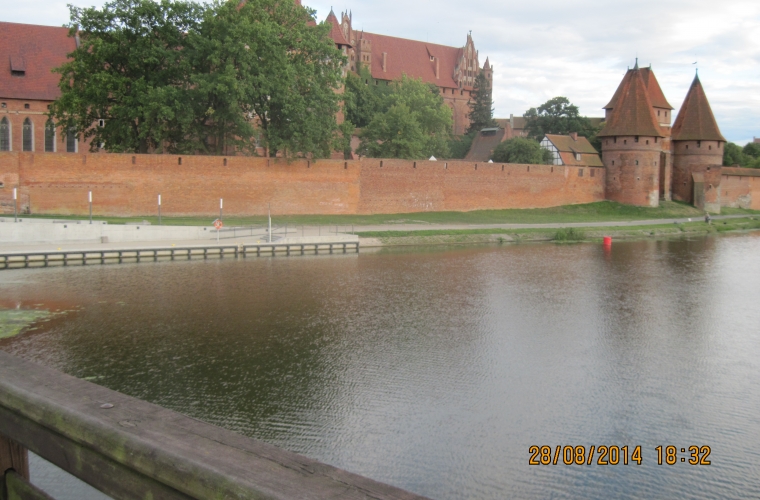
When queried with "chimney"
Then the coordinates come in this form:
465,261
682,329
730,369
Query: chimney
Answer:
385,62
574,135
437,68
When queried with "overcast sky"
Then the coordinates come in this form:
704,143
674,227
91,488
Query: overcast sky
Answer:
579,49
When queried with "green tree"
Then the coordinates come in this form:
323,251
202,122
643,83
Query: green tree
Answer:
178,76
128,70
362,101
414,123
262,60
557,116
752,149
733,155
481,105
521,150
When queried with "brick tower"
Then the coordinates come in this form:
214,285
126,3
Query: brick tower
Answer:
632,142
697,152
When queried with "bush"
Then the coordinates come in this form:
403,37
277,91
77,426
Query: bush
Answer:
521,150
569,234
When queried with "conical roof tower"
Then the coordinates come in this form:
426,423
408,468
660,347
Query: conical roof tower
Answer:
632,112
695,121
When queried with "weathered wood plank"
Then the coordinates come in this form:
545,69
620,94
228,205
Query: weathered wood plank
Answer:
185,455
13,456
19,488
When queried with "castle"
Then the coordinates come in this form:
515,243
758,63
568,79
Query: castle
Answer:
647,159
451,69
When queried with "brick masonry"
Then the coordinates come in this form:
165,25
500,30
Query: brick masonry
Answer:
129,185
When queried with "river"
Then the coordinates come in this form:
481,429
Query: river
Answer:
436,369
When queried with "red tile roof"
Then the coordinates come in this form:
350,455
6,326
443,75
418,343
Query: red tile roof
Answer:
412,58
484,144
568,147
336,32
38,49
656,96
655,91
632,112
695,121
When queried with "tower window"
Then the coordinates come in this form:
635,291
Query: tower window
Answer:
613,163
699,144
709,147
614,139
687,146
26,105
655,140
637,162
625,141
636,139
647,142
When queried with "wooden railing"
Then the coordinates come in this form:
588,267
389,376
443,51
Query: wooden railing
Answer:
129,449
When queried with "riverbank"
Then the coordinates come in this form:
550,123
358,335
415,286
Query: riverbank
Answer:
573,233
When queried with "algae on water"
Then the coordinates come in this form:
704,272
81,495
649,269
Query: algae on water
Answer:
12,321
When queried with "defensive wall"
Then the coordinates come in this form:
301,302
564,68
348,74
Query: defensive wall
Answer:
129,185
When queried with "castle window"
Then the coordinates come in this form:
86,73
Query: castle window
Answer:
709,147
655,140
5,135
613,163
614,139
625,141
4,105
50,137
26,105
699,144
637,162
658,112
647,142
687,146
71,140
636,139
26,135
655,164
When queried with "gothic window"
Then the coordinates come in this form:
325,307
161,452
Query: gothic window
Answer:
50,136
5,135
71,140
26,135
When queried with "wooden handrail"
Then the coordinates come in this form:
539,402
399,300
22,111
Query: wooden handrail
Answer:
128,448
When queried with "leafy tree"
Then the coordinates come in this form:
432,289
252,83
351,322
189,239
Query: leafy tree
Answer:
752,149
748,156
557,116
521,150
481,105
362,101
459,146
414,123
263,60
178,76
128,70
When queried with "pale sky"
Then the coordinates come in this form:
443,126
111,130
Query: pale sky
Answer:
579,49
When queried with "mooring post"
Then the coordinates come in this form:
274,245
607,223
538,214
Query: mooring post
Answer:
159,209
89,195
15,204
15,457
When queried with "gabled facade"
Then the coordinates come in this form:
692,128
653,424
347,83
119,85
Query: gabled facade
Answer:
571,150
28,54
451,69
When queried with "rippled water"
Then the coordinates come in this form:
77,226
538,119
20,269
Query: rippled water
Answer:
436,370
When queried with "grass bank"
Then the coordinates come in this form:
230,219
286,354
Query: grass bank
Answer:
472,236
590,212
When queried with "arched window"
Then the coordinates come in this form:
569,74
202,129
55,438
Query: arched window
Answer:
50,136
27,131
5,134
71,140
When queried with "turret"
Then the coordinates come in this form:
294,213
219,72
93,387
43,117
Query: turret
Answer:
632,144
697,151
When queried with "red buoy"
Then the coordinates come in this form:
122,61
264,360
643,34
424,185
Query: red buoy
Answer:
607,241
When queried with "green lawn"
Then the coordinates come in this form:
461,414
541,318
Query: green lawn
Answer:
591,212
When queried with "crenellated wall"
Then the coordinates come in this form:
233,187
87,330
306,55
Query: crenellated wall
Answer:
129,185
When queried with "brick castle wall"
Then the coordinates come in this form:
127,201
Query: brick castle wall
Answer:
740,188
192,185
705,157
633,170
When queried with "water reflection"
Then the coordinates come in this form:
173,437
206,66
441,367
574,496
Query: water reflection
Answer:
435,370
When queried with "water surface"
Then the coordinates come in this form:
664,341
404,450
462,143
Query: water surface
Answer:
436,369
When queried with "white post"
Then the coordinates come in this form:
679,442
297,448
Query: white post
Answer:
90,198
159,209
15,205
221,205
